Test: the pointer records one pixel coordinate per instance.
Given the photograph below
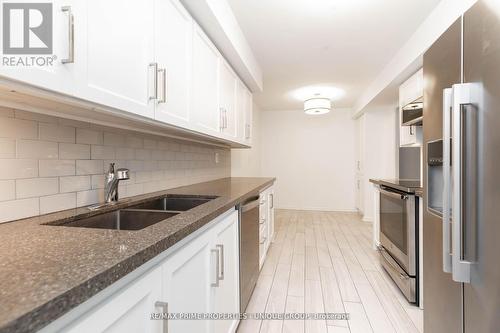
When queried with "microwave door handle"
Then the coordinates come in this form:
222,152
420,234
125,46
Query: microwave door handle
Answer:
462,101
447,107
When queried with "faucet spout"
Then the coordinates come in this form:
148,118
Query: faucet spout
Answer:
111,182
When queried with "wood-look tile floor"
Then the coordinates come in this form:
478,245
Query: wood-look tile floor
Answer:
324,262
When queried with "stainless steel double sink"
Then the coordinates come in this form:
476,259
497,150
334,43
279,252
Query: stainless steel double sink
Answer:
138,216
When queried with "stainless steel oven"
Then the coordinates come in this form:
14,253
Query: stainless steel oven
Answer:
399,238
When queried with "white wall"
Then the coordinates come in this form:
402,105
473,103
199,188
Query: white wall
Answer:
312,157
246,162
377,130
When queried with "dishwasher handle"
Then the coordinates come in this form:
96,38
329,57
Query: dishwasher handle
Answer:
250,204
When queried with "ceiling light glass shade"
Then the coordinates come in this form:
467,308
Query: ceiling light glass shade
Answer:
317,105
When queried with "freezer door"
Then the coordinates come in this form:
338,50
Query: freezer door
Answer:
482,240
442,296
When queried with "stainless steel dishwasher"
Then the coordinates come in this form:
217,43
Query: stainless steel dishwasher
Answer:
249,248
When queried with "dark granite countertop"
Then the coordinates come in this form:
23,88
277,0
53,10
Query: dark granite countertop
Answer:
45,271
411,186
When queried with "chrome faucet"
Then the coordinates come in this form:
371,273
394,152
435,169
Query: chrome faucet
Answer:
111,182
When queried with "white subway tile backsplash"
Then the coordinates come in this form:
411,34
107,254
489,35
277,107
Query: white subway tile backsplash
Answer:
36,187
143,154
74,184
18,209
90,197
114,139
56,133
57,202
37,149
52,168
150,144
7,190
71,151
125,153
18,168
97,181
89,136
71,157
102,152
89,167
134,142
18,128
7,148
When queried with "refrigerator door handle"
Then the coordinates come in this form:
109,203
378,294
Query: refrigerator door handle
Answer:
447,108
462,100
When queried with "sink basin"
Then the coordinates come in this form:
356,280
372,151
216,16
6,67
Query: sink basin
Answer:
174,203
125,219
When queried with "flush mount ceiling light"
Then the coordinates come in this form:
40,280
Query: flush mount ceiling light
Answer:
317,105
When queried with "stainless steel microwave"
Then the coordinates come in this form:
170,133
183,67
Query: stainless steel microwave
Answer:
412,114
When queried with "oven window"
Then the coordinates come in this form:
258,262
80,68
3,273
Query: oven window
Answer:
393,221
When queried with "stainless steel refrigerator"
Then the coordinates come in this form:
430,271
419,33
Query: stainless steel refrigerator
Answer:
462,175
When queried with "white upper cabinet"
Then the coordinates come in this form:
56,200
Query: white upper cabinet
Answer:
244,113
206,115
173,43
58,73
147,58
227,100
115,52
248,116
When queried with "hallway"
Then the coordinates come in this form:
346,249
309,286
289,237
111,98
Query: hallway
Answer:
324,262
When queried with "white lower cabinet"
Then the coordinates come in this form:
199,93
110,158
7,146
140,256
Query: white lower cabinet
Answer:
127,311
201,277
266,228
226,296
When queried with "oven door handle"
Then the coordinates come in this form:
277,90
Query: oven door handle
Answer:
394,195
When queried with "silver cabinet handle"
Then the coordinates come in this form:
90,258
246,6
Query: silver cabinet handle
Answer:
217,267
447,104
163,73
221,116
164,306
221,249
225,118
71,36
271,196
262,221
154,66
463,185
263,240
247,131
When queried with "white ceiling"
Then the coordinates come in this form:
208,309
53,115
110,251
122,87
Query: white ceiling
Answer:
340,43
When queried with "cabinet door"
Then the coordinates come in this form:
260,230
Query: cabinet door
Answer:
227,100
187,276
115,51
173,50
270,218
226,294
56,73
205,99
248,117
129,311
